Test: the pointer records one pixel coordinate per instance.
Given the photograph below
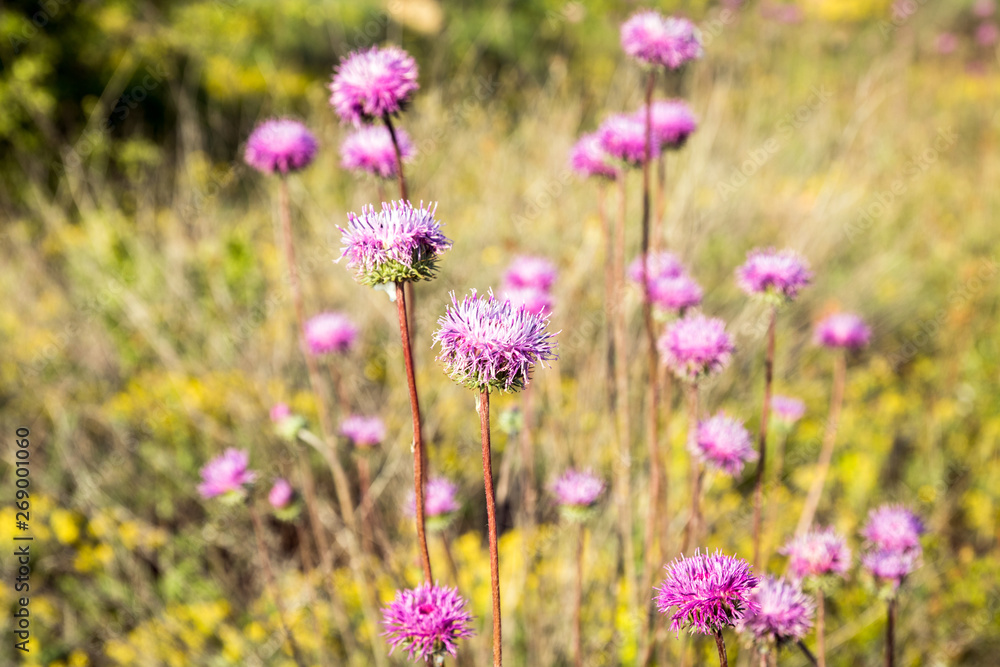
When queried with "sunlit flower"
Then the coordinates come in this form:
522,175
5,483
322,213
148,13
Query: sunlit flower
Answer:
818,553
786,409
369,149
671,122
281,494
780,274
374,83
226,474
439,498
363,431
784,613
893,528
282,144
330,332
533,300
426,621
588,158
581,489
709,592
695,346
723,443
845,330
530,271
890,565
659,264
623,137
675,293
655,40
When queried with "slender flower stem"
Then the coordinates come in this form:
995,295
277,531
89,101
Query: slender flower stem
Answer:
364,502
265,562
758,494
661,203
890,634
691,537
820,629
720,644
829,439
527,452
578,602
609,287
419,476
449,559
807,653
491,520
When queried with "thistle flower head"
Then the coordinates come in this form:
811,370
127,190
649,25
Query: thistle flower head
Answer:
439,498
426,621
588,158
723,443
281,494
818,553
623,137
226,474
281,144
845,330
784,613
363,431
786,409
658,264
893,528
489,343
369,149
279,412
775,274
374,83
675,293
891,566
696,346
580,489
671,122
709,592
530,271
330,332
400,243
653,39
533,300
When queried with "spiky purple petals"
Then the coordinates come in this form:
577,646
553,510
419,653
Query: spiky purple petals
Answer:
696,346
280,145
723,443
588,158
426,621
653,39
370,150
709,592
226,474
777,275
372,84
784,613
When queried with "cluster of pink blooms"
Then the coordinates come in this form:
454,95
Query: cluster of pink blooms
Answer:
370,150
709,592
781,612
328,333
226,474
844,330
280,145
363,431
578,488
671,288
893,535
723,443
818,553
528,282
695,347
427,622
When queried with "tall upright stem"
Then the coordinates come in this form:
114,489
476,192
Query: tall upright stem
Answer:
720,644
820,629
829,439
758,494
624,467
491,520
419,476
265,563
890,634
691,537
578,602
661,202
805,651
405,196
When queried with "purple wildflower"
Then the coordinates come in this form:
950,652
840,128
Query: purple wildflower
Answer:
426,621
279,412
588,158
784,613
489,343
372,84
710,592
533,300
675,293
400,243
946,43
779,274
671,122
890,565
225,474
983,8
370,150
439,498
363,431
987,34
530,271
623,137
894,528
695,346
842,330
281,144
281,494
659,264
723,443
786,409
330,332
580,489
817,553
654,40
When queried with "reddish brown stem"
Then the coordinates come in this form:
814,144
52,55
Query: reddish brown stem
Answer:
758,494
720,644
609,288
829,439
419,476
491,520
404,195
890,634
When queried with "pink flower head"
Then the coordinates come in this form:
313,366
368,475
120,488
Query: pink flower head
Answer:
709,592
400,243
817,553
530,271
281,144
330,332
426,621
225,474
696,346
946,43
363,431
786,409
373,84
580,489
723,443
588,158
439,498
489,343
778,274
843,330
281,494
654,40
623,136
987,34
659,264
983,8
369,149
784,613
675,293
279,412
671,122
532,299
890,565
893,528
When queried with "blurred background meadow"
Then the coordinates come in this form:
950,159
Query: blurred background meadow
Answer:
146,327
